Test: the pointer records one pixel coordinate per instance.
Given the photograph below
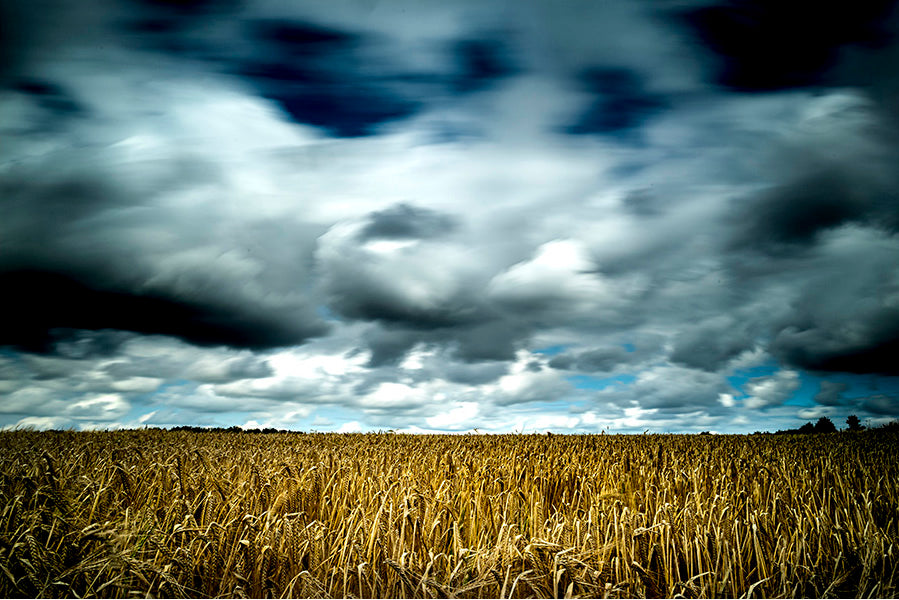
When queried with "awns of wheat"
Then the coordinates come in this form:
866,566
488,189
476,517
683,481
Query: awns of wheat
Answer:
182,514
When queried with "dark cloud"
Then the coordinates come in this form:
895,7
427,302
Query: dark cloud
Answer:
670,390
644,203
406,222
403,287
50,96
385,305
43,368
342,81
81,344
18,35
710,345
881,404
388,346
298,38
64,199
566,178
240,367
620,104
348,78
868,349
831,393
834,312
169,24
797,212
187,7
495,339
765,45
594,360
351,83
790,217
481,62
320,77
810,255
474,373
9,367
67,266
39,302
160,30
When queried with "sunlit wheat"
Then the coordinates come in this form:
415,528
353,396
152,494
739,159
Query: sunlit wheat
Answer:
382,515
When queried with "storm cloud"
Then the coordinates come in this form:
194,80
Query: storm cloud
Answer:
431,216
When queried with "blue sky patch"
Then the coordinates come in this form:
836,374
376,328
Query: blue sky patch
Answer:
552,350
590,382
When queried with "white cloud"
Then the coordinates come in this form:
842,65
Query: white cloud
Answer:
392,395
560,277
103,407
286,388
137,384
549,422
529,380
816,412
416,358
311,364
670,388
771,391
461,415
350,427
40,423
31,399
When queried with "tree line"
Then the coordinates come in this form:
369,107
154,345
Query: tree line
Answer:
825,425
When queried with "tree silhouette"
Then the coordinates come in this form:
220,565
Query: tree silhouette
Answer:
825,425
853,423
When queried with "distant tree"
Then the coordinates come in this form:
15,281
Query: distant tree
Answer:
825,425
853,423
890,426
807,428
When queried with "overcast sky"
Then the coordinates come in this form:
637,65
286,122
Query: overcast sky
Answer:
422,215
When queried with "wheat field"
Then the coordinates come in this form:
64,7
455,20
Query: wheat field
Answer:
181,514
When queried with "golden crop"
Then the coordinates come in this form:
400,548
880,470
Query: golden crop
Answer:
137,513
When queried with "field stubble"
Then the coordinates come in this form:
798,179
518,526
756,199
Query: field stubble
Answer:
138,513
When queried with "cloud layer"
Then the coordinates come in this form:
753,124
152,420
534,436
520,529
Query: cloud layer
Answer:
437,216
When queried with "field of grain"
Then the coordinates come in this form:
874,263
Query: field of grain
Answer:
156,513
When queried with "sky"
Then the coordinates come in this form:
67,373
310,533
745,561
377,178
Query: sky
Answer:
432,216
